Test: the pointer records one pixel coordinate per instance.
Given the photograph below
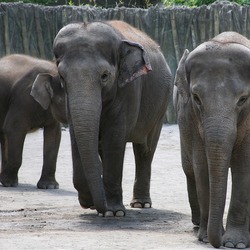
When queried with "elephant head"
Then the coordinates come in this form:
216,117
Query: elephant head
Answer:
94,62
213,82
48,92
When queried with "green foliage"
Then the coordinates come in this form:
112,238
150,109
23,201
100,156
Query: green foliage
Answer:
169,3
203,2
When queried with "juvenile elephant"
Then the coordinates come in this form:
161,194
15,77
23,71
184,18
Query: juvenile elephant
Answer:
21,113
213,108
118,85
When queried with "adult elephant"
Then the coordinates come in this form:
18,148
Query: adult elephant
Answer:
118,85
213,108
21,76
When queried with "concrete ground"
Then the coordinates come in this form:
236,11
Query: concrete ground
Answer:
53,219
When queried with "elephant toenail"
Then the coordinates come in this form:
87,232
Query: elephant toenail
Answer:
147,205
109,214
137,205
240,245
229,244
120,214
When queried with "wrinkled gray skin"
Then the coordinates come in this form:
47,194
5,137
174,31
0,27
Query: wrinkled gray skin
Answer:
20,113
213,108
113,97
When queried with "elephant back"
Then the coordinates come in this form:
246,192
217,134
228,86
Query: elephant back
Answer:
132,34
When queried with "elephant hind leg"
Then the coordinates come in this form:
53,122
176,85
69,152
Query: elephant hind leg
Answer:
144,154
12,149
2,141
52,138
141,192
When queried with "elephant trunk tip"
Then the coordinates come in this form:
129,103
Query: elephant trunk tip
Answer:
102,210
101,206
216,244
215,239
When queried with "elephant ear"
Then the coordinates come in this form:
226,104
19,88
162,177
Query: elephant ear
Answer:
42,90
181,81
134,62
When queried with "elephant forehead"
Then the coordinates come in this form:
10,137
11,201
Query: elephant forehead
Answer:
215,52
82,34
224,69
228,63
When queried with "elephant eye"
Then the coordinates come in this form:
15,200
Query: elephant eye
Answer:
105,76
197,99
62,82
242,100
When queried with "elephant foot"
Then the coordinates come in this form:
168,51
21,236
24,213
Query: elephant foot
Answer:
47,184
115,210
115,214
202,235
7,181
204,239
236,239
239,245
141,203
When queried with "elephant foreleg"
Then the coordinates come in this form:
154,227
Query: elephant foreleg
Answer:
237,229
52,138
202,188
196,171
112,159
191,187
193,200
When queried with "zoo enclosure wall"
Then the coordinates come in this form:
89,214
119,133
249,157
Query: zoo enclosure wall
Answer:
30,29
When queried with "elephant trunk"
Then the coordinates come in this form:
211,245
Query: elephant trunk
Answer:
84,108
220,136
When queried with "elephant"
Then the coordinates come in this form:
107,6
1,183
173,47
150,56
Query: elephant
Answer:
31,97
213,113
118,85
